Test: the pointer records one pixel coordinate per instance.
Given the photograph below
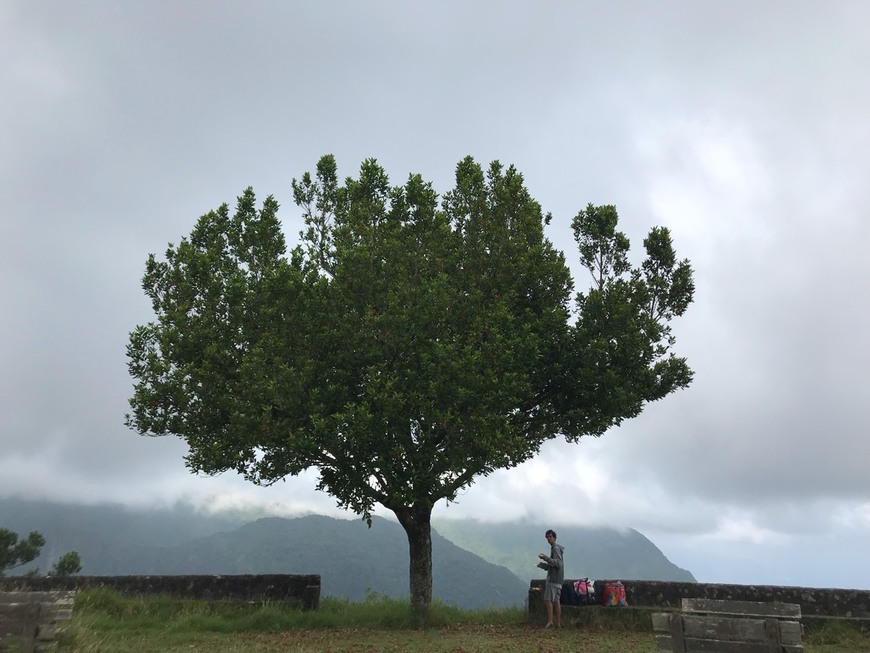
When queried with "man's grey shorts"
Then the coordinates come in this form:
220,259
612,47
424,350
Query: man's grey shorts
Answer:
552,592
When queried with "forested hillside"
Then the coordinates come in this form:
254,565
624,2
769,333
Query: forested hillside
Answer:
351,558
475,564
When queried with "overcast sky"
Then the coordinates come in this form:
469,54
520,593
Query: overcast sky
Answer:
743,126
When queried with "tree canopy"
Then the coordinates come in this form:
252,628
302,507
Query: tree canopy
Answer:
14,553
69,564
408,344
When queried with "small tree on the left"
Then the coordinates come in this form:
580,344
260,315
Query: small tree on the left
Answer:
69,564
14,553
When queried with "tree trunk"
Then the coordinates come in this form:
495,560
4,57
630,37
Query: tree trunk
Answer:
417,524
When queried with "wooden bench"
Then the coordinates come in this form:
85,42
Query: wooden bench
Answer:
730,627
31,621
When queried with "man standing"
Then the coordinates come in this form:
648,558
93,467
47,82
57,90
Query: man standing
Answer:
555,575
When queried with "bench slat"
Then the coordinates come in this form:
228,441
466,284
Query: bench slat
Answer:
743,608
26,596
18,612
737,629
717,646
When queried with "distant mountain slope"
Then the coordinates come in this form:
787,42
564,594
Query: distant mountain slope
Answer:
105,532
492,567
351,559
589,552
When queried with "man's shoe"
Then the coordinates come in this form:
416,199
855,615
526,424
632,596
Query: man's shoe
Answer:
548,626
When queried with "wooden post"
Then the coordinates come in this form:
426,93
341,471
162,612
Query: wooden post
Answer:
771,632
678,640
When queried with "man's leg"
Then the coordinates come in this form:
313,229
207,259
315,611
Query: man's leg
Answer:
558,613
549,613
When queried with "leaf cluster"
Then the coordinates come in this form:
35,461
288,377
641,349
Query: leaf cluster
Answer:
409,343
69,564
620,356
14,553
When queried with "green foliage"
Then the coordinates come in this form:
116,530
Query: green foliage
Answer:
406,346
69,564
620,357
14,553
837,632
106,621
116,611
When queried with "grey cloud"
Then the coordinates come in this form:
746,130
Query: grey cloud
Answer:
741,126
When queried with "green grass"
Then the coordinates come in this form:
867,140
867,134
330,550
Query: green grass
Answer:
837,636
105,622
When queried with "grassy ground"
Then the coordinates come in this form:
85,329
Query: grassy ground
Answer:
460,639
104,622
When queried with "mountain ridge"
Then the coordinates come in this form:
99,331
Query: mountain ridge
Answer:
590,552
353,560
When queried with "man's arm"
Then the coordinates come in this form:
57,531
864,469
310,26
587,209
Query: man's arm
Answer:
555,559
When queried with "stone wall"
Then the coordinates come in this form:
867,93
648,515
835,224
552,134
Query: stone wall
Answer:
815,602
299,590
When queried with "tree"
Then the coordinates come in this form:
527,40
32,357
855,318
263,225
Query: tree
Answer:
14,553
69,564
405,346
